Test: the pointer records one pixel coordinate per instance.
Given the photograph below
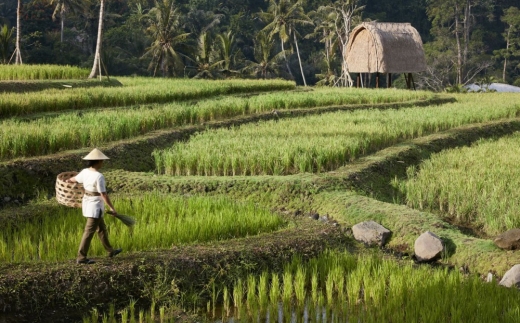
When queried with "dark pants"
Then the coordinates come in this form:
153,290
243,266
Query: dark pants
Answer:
91,227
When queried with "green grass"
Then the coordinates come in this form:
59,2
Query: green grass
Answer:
41,72
320,143
163,221
134,91
476,186
23,137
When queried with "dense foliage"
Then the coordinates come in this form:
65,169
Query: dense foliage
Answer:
465,40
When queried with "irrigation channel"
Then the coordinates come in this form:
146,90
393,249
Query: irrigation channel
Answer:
227,235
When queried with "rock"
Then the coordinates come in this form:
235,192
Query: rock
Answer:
512,277
7,199
324,219
314,216
371,233
509,240
428,247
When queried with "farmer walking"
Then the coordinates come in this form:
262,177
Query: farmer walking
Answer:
93,205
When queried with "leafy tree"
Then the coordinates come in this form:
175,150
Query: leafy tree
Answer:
163,27
336,24
6,34
205,58
227,49
64,6
266,64
512,37
282,18
455,41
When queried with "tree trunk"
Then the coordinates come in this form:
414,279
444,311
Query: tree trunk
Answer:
17,52
459,49
467,28
62,25
299,59
505,58
286,61
96,68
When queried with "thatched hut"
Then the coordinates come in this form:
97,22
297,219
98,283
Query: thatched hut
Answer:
376,47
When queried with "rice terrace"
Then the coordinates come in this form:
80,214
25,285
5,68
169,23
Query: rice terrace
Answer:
248,197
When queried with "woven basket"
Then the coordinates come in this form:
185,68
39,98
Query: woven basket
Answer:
69,194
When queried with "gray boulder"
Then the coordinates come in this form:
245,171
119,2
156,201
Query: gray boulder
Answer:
512,277
371,233
509,240
428,247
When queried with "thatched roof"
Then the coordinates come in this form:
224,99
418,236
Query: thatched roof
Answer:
385,48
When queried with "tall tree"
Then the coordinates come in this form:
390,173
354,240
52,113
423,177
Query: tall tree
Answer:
339,19
282,18
512,37
453,26
163,27
62,7
96,67
17,53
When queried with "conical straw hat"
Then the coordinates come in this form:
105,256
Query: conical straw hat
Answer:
95,154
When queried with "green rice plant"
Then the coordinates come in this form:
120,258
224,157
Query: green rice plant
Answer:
238,293
274,291
474,185
251,293
94,315
41,72
162,221
263,293
314,287
319,143
299,286
152,310
124,315
287,291
162,316
329,288
226,301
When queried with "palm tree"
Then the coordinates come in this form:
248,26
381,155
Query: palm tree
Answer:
282,18
325,32
226,46
96,68
163,23
206,64
6,34
266,65
17,53
62,6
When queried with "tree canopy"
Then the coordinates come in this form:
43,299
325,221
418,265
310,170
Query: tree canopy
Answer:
465,40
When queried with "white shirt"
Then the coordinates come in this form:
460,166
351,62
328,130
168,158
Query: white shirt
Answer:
93,181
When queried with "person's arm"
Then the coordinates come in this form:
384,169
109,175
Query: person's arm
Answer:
72,180
105,198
